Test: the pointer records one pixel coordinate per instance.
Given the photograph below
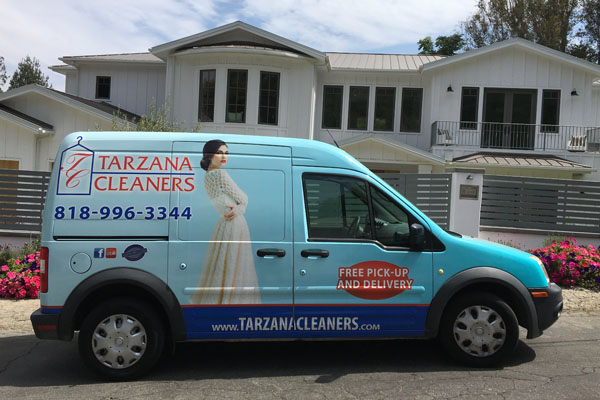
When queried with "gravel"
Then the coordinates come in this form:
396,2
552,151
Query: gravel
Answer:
14,314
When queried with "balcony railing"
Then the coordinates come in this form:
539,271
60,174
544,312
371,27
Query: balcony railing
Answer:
494,135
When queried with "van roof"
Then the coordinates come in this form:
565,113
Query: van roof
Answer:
305,152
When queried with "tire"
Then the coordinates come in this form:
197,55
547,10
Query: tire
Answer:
479,329
121,339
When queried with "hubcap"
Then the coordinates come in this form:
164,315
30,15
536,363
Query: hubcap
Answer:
479,331
119,341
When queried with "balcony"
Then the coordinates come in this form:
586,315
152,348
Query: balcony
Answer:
505,136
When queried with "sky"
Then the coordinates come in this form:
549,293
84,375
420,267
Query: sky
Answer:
49,29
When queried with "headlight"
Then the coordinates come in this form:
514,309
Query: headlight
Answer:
541,264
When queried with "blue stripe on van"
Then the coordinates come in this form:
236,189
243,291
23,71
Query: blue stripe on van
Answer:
308,321
51,310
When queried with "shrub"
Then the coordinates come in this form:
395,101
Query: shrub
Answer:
569,264
6,253
20,277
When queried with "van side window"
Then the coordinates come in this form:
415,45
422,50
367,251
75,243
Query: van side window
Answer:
391,221
337,207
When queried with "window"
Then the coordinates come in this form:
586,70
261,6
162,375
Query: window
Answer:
206,100
237,86
103,87
391,221
358,108
9,164
468,108
385,103
332,107
268,101
410,116
346,208
337,207
550,110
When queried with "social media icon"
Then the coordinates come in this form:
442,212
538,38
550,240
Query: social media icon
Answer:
111,252
99,253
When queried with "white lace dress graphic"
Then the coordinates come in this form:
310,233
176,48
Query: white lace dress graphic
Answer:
228,275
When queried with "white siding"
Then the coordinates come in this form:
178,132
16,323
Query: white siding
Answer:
296,93
71,82
17,143
516,68
65,119
133,86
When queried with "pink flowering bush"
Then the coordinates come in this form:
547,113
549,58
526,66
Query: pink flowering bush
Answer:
569,264
20,277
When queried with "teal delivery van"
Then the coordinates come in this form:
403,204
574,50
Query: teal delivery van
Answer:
155,238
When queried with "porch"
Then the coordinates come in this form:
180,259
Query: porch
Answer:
515,136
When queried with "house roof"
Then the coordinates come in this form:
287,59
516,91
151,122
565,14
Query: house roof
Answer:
102,106
379,62
515,42
145,58
235,33
385,140
101,109
25,120
520,161
127,58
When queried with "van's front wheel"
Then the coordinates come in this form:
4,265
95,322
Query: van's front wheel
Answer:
479,329
121,338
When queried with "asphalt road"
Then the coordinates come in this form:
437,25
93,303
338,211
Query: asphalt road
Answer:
562,364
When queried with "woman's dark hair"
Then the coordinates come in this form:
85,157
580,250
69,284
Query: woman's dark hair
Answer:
209,150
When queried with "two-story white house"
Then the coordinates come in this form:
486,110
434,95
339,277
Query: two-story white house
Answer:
512,108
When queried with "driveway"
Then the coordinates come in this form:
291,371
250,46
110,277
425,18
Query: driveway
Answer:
562,364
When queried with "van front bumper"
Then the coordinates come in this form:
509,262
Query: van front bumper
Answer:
548,308
45,326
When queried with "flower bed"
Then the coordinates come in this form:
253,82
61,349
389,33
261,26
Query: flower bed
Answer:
569,264
20,277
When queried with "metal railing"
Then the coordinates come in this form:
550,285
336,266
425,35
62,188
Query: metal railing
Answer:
495,135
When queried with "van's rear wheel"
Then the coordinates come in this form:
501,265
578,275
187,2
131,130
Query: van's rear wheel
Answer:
479,329
121,338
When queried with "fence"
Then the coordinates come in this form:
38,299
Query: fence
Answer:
541,204
22,196
429,192
507,202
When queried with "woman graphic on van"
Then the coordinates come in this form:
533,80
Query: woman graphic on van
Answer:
228,275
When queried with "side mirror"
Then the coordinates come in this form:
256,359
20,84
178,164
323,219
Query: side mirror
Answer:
417,236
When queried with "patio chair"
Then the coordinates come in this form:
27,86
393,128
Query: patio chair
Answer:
577,143
444,137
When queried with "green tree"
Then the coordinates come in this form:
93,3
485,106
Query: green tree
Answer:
589,15
426,46
157,120
449,45
547,22
28,71
3,76
444,45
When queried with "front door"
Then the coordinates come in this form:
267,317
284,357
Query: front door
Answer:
231,249
509,119
354,274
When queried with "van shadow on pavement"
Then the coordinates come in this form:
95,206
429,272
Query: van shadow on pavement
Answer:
56,363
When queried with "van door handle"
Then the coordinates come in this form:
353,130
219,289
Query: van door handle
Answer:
314,253
270,252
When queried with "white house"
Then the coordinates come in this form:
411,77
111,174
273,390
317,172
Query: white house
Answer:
512,108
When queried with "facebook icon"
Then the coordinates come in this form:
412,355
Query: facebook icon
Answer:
99,253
